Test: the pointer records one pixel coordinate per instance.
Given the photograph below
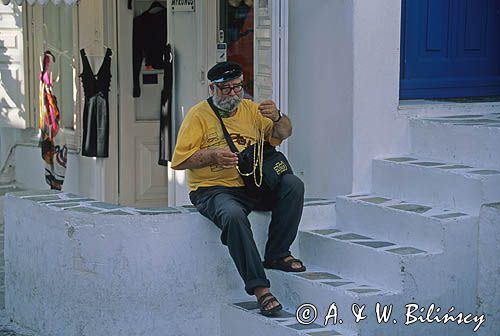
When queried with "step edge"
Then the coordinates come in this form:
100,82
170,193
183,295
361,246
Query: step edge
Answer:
466,173
395,201
287,321
343,289
354,243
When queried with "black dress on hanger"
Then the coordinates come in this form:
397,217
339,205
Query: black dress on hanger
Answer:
95,140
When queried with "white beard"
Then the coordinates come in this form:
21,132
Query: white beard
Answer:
229,103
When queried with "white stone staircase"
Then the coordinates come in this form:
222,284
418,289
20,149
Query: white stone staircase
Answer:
412,239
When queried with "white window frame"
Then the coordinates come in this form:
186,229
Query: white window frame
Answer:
33,32
280,58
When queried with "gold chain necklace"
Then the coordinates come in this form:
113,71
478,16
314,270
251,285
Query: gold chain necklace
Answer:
258,156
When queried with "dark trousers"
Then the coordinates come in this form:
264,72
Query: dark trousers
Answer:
228,208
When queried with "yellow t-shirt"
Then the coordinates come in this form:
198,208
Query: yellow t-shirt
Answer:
201,129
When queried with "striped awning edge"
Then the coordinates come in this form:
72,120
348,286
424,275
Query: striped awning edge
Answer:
41,2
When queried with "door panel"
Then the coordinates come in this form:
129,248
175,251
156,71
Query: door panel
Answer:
143,182
150,182
450,48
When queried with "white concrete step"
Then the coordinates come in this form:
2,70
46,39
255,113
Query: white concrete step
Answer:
356,256
488,293
317,213
244,319
418,179
471,140
405,222
322,288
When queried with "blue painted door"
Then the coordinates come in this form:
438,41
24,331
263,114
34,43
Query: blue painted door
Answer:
450,48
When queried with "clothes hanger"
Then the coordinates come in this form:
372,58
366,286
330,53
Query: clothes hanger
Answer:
155,7
97,42
54,49
46,67
46,51
51,50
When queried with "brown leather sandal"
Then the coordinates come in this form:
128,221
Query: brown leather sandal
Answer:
264,301
286,266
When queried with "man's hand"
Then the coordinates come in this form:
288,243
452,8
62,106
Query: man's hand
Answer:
282,127
269,110
221,157
224,158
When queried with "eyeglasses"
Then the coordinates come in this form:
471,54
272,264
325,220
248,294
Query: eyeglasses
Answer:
227,89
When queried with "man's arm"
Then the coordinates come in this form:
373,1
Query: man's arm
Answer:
282,129
222,157
282,126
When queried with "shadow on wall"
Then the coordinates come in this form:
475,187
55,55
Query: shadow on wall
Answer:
11,93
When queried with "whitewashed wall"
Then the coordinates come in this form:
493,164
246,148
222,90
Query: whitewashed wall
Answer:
84,176
378,128
321,94
343,97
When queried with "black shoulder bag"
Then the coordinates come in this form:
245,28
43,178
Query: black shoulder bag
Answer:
257,177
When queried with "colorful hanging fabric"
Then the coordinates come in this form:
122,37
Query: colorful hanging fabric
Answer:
52,143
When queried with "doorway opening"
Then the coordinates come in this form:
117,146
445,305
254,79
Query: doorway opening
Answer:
236,22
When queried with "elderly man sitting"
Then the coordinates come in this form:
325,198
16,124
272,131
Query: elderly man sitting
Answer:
218,191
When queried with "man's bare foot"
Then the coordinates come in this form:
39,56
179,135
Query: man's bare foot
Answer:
267,302
295,264
286,264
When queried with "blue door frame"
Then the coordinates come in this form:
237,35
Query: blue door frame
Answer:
450,48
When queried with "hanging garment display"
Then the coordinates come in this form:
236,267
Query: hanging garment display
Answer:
52,143
148,41
166,148
95,140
